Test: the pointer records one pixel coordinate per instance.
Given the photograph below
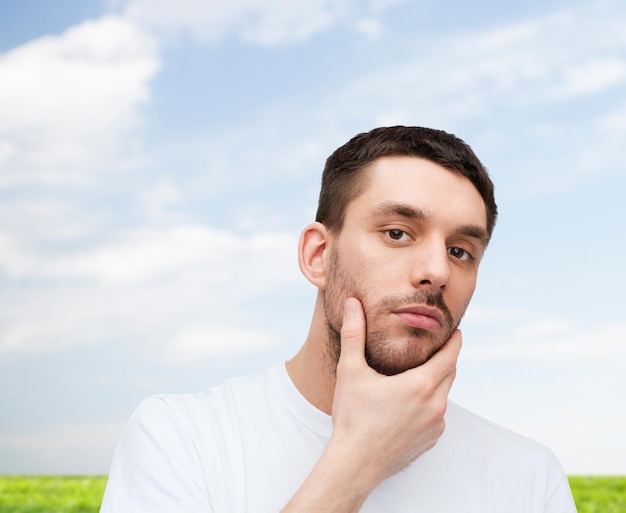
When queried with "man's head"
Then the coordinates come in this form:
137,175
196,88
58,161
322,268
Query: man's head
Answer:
343,178
405,215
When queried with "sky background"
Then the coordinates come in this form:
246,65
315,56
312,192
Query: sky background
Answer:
158,160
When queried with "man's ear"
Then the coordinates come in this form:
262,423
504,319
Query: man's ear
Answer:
313,252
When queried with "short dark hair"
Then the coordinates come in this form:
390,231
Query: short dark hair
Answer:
342,181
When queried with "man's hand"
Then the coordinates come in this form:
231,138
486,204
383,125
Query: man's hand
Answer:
380,423
389,420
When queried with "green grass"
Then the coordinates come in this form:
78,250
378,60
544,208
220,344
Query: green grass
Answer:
83,494
599,494
51,494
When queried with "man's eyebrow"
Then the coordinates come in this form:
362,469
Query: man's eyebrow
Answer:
400,209
476,232
411,212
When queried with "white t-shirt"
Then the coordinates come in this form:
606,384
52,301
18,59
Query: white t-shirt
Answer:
248,444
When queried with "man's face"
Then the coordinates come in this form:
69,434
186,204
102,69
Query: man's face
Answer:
409,250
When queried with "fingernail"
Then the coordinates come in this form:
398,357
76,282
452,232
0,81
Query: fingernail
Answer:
349,307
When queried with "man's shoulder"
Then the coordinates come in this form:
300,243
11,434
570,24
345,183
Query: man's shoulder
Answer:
475,432
199,407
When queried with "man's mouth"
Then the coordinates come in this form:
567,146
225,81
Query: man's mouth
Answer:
420,316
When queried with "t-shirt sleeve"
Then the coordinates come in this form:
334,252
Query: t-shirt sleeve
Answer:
561,500
559,497
156,467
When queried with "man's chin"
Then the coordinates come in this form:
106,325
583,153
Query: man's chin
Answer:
390,366
391,369
395,361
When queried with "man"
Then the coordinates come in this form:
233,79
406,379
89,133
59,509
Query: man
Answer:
359,419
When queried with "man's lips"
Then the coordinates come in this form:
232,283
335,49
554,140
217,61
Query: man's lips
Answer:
420,316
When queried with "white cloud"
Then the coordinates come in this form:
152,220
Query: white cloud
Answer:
495,75
48,319
68,101
543,61
144,285
492,313
370,28
59,438
265,22
157,199
613,121
542,328
553,340
140,255
45,219
592,75
7,150
195,342
14,260
81,448
550,74
291,21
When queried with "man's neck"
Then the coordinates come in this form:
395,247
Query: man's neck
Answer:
312,369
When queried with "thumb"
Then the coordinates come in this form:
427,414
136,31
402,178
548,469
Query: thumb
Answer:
353,330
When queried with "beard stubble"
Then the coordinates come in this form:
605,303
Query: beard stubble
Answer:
418,346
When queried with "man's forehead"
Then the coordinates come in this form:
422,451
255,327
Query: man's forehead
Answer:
395,182
408,173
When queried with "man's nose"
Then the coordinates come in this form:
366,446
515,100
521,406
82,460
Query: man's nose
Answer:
431,265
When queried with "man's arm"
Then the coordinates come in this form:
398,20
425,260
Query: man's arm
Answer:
380,423
155,467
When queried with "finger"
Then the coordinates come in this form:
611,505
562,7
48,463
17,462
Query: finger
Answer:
447,382
443,374
449,353
353,330
442,364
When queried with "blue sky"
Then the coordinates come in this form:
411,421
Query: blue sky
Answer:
159,159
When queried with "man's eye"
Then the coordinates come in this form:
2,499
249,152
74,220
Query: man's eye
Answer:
459,253
397,234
